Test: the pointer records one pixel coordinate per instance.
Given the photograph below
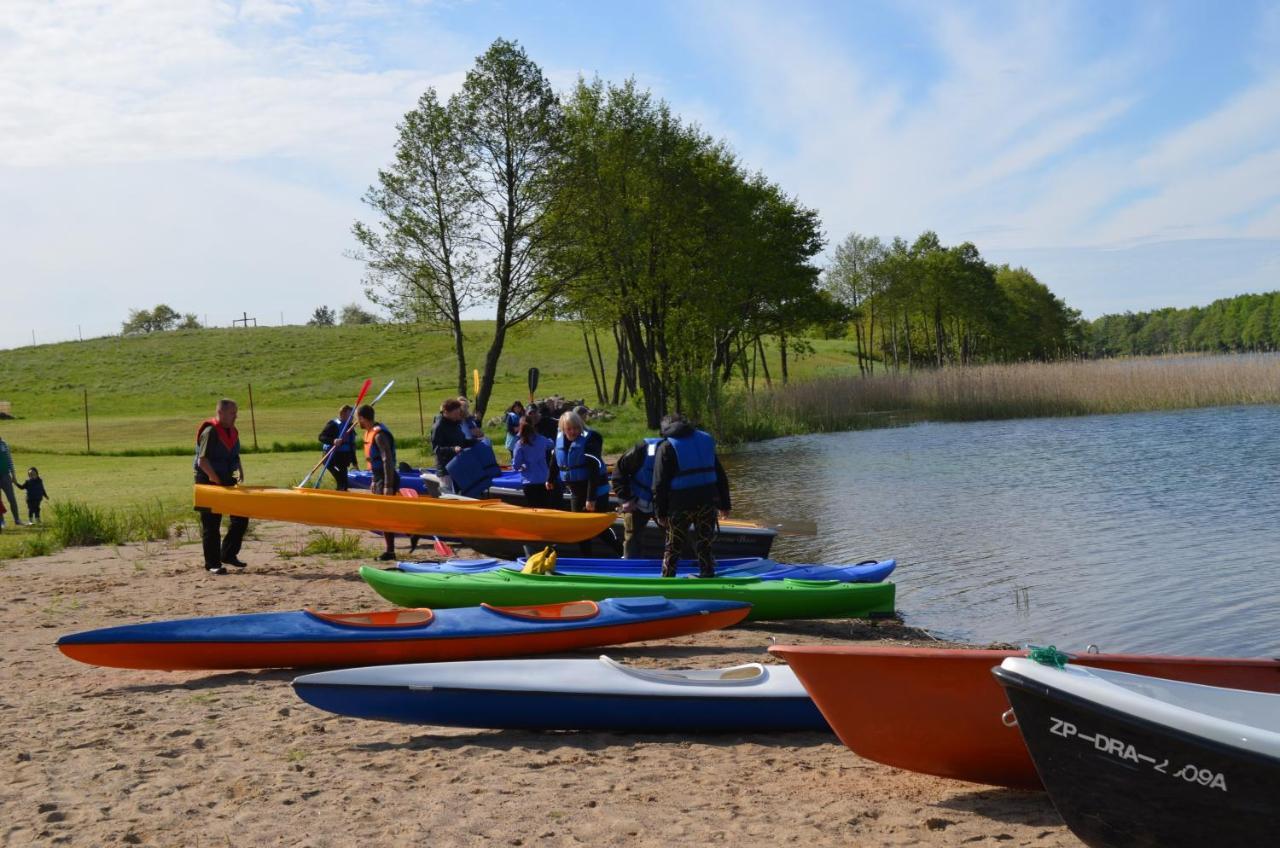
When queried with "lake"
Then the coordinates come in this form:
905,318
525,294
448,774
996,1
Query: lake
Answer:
1153,532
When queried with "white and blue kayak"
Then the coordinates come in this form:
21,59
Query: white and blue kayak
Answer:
870,571
598,694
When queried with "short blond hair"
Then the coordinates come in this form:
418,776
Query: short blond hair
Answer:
573,418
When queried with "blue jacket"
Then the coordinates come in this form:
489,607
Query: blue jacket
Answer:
533,460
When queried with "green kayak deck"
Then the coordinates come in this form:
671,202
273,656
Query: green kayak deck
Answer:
769,599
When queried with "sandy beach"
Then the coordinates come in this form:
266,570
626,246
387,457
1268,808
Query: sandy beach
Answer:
107,757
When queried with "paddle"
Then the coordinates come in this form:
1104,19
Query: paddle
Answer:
441,548
341,435
351,420
533,382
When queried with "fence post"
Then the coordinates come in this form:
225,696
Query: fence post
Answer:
253,419
422,422
87,447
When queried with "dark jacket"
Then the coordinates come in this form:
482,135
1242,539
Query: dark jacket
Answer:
35,490
665,469
445,436
624,470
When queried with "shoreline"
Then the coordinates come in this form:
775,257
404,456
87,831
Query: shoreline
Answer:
111,756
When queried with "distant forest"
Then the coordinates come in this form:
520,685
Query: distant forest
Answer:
1247,322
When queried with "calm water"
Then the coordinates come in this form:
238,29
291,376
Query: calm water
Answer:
1148,532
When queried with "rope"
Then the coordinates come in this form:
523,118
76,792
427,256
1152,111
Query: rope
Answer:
1047,656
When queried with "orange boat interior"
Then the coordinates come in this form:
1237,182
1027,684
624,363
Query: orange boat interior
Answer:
380,618
569,611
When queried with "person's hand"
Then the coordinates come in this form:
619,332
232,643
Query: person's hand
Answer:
551,487
591,506
662,522
457,449
723,513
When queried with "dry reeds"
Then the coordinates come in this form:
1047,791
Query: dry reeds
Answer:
1024,390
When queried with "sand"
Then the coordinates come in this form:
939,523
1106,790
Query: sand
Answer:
98,756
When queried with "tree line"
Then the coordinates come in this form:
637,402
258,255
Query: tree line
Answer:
1247,322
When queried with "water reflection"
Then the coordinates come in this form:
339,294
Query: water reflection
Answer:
1151,532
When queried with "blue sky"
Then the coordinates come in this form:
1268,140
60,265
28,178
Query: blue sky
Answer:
211,155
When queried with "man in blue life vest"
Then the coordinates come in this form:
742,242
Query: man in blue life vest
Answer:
217,463
633,484
690,489
344,455
448,439
380,455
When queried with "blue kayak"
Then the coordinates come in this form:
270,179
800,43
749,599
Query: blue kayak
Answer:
871,571
306,638
408,479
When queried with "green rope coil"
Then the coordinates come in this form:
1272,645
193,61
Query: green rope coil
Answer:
1047,656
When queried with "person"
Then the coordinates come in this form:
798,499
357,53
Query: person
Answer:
512,418
2,512
633,484
470,424
448,439
380,455
689,490
217,463
9,476
577,454
533,458
547,423
340,431
35,494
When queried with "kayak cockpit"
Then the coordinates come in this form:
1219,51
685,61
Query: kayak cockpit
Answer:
382,618
738,675
569,611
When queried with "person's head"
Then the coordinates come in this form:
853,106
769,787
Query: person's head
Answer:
672,421
453,409
364,417
32,473
533,413
516,407
344,412
466,404
583,412
528,428
225,412
571,425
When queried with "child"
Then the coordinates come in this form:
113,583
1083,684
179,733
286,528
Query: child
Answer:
35,494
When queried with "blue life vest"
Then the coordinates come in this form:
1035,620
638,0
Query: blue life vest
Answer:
642,481
225,460
572,459
697,457
347,443
473,469
373,453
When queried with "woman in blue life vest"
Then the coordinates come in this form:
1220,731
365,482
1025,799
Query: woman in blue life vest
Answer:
534,458
582,470
380,455
340,431
511,420
633,484
690,490
217,463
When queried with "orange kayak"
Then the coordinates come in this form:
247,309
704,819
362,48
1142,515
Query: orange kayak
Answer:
938,711
490,519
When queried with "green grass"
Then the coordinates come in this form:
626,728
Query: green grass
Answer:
342,545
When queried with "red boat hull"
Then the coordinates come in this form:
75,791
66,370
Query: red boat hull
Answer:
937,711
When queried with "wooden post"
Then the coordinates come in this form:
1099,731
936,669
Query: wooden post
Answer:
253,419
422,421
87,447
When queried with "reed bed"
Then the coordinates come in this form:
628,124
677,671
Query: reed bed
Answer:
990,392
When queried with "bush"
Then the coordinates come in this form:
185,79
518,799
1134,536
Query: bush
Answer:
343,545
75,523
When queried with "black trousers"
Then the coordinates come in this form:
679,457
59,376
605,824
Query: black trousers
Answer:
578,503
217,551
338,466
702,520
539,496
6,486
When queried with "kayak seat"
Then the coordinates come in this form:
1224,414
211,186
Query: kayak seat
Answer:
570,611
383,618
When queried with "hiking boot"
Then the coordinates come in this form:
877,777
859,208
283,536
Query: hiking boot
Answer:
386,556
236,562
218,570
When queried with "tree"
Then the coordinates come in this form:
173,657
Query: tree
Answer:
322,317
854,278
353,314
142,321
190,322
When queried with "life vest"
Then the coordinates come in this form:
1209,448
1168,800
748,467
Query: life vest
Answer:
473,469
347,443
372,453
642,480
696,455
572,459
223,453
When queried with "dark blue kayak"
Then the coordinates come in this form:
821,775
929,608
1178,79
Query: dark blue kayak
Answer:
306,638
872,571
408,479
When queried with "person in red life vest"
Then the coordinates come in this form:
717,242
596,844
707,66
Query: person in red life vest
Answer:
689,489
217,463
380,455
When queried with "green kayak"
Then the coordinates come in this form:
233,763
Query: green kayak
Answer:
769,599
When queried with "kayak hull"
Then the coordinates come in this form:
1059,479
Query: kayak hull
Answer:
937,711
565,695
300,639
770,599
413,516
1122,777
765,569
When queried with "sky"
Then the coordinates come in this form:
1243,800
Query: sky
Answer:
212,154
